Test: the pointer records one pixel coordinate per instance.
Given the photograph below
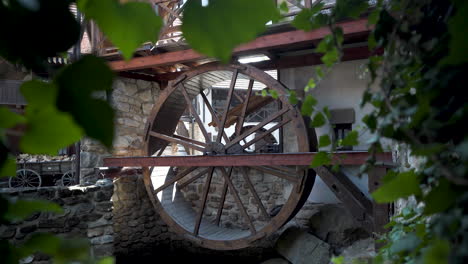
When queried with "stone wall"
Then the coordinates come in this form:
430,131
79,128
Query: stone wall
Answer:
272,191
140,233
87,213
132,101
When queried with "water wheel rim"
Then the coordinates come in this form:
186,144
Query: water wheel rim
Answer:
293,202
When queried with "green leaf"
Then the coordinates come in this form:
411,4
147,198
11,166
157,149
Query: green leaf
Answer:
337,260
320,159
324,141
351,139
77,83
309,19
8,168
307,107
437,253
73,249
374,17
310,85
108,260
349,8
20,209
405,244
39,94
326,111
274,94
127,25
284,7
215,30
330,57
440,198
41,242
319,72
48,129
318,121
293,97
402,185
325,44
371,121
53,29
8,118
458,53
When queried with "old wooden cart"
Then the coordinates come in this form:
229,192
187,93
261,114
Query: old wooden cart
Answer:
37,174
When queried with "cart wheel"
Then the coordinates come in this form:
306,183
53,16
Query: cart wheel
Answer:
25,178
68,179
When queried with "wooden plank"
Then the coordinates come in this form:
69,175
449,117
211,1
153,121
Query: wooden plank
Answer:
276,159
279,40
349,54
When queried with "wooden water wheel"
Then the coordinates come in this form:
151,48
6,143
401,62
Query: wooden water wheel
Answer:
192,118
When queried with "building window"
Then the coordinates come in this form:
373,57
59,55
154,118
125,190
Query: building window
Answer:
341,131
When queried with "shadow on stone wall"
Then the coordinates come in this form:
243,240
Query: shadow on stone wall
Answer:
87,213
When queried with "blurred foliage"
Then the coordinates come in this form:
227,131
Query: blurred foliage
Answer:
127,25
420,67
64,109
216,29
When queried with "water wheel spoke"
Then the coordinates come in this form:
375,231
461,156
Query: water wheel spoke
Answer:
279,174
175,178
194,178
254,193
195,114
189,143
228,104
223,199
238,97
240,121
202,206
233,190
190,140
257,127
213,114
266,133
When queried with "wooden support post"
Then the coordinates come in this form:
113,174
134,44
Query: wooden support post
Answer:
381,212
359,206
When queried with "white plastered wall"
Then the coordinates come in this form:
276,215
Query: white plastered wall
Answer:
341,88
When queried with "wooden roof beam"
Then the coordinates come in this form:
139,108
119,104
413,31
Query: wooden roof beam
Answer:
279,40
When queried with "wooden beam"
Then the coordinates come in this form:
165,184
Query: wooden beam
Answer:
284,159
358,204
279,40
355,53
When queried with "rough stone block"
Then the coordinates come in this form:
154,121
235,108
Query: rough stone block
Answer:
7,232
98,223
362,251
301,247
94,232
275,261
105,239
334,224
103,250
52,223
